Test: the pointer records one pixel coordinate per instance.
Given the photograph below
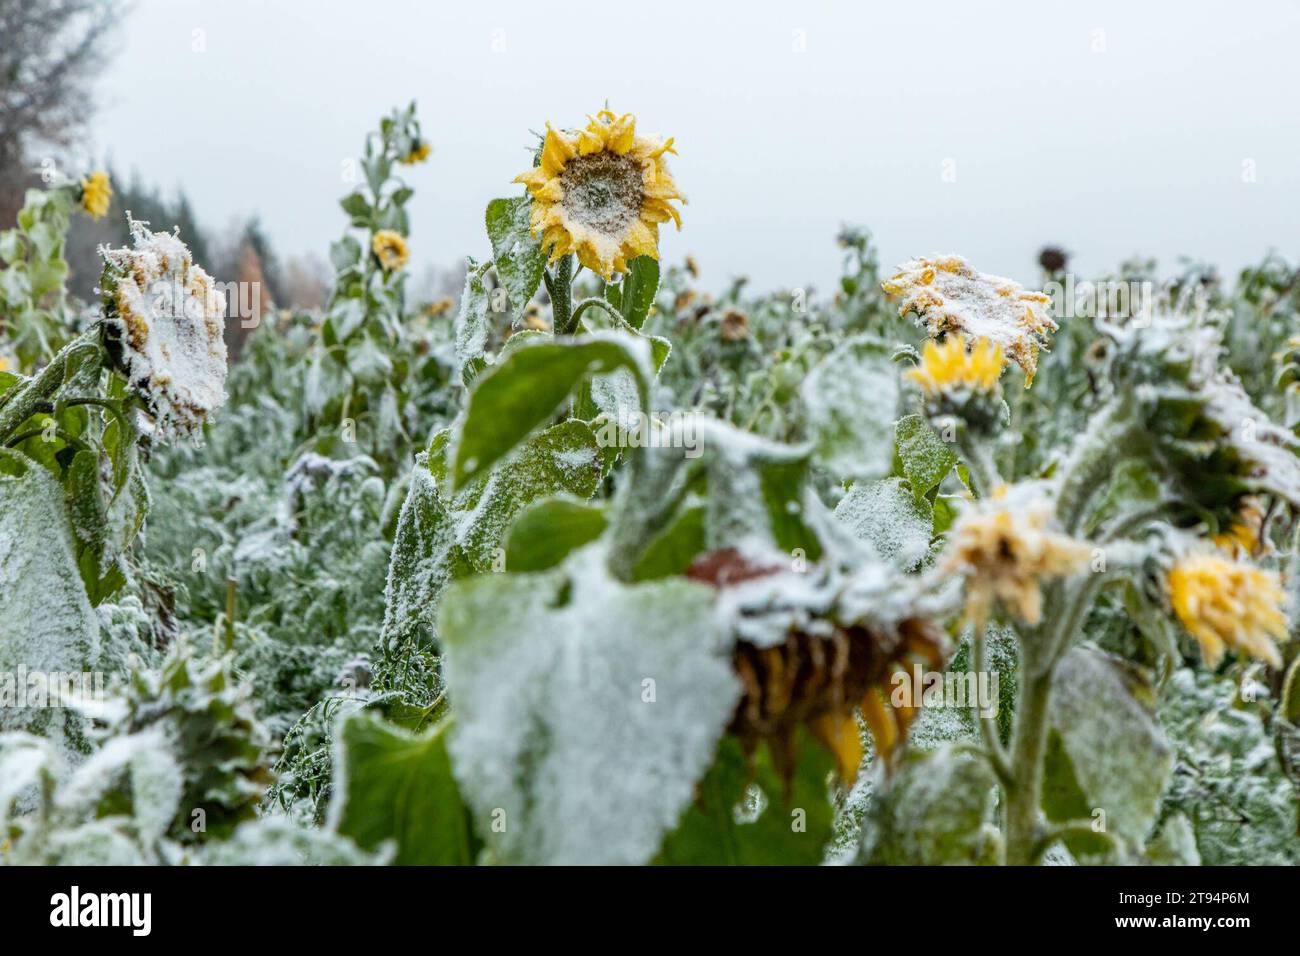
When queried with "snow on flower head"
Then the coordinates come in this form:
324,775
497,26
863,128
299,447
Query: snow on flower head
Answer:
96,194
167,323
1226,603
1005,549
950,296
601,192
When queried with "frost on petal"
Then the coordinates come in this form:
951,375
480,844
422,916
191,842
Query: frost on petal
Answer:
166,320
950,296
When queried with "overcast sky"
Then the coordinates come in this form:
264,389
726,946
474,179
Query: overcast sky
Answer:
1111,128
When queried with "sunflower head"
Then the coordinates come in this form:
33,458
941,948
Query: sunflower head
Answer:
601,193
390,249
96,194
950,296
1226,603
948,367
1005,549
419,153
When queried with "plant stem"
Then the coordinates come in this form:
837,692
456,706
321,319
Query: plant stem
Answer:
996,753
27,397
1028,747
560,288
982,469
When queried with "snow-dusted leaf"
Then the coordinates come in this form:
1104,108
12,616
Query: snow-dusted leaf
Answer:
937,809
925,458
887,514
544,533
852,402
1116,747
611,698
523,390
473,322
517,254
637,293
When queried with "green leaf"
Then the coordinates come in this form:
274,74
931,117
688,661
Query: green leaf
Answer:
672,552
345,253
1118,751
395,786
523,390
937,809
744,819
924,458
518,256
543,534
586,710
639,286
356,206
851,398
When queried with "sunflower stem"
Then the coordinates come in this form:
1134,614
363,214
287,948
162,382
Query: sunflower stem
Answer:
996,753
26,398
560,288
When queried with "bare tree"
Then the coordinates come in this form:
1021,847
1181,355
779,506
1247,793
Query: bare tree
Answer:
49,50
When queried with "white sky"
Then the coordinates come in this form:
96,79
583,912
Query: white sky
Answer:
1115,129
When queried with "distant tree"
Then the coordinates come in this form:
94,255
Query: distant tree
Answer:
255,236
49,50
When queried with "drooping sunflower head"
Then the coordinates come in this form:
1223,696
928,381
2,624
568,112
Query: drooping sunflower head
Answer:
1225,603
165,327
601,193
390,249
948,367
1005,549
950,296
96,194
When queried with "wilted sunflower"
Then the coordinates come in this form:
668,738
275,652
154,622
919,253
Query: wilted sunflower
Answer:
735,326
1241,538
165,324
439,307
1005,549
96,194
601,193
390,249
1225,603
820,680
950,296
949,367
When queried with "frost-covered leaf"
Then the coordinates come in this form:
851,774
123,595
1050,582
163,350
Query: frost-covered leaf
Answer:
517,254
852,402
1116,747
888,515
937,809
278,841
924,457
523,390
639,286
46,621
585,710
744,818
395,786
1175,844
473,322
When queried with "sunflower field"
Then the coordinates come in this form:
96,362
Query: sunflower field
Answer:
597,567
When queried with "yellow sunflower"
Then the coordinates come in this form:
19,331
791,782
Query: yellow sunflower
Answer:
418,154
1225,603
390,249
601,193
948,366
96,194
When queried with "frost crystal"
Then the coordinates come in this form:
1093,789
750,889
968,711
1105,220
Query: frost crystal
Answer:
167,318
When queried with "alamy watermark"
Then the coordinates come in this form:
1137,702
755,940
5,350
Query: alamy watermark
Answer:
922,688
633,428
45,689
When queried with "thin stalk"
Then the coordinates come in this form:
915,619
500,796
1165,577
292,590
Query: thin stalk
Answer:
26,398
560,289
996,753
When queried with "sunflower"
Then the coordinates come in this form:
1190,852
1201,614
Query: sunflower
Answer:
96,194
1225,603
418,154
601,193
950,296
166,327
1005,549
390,249
948,367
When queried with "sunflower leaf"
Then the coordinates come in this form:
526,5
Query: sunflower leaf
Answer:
517,254
638,292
